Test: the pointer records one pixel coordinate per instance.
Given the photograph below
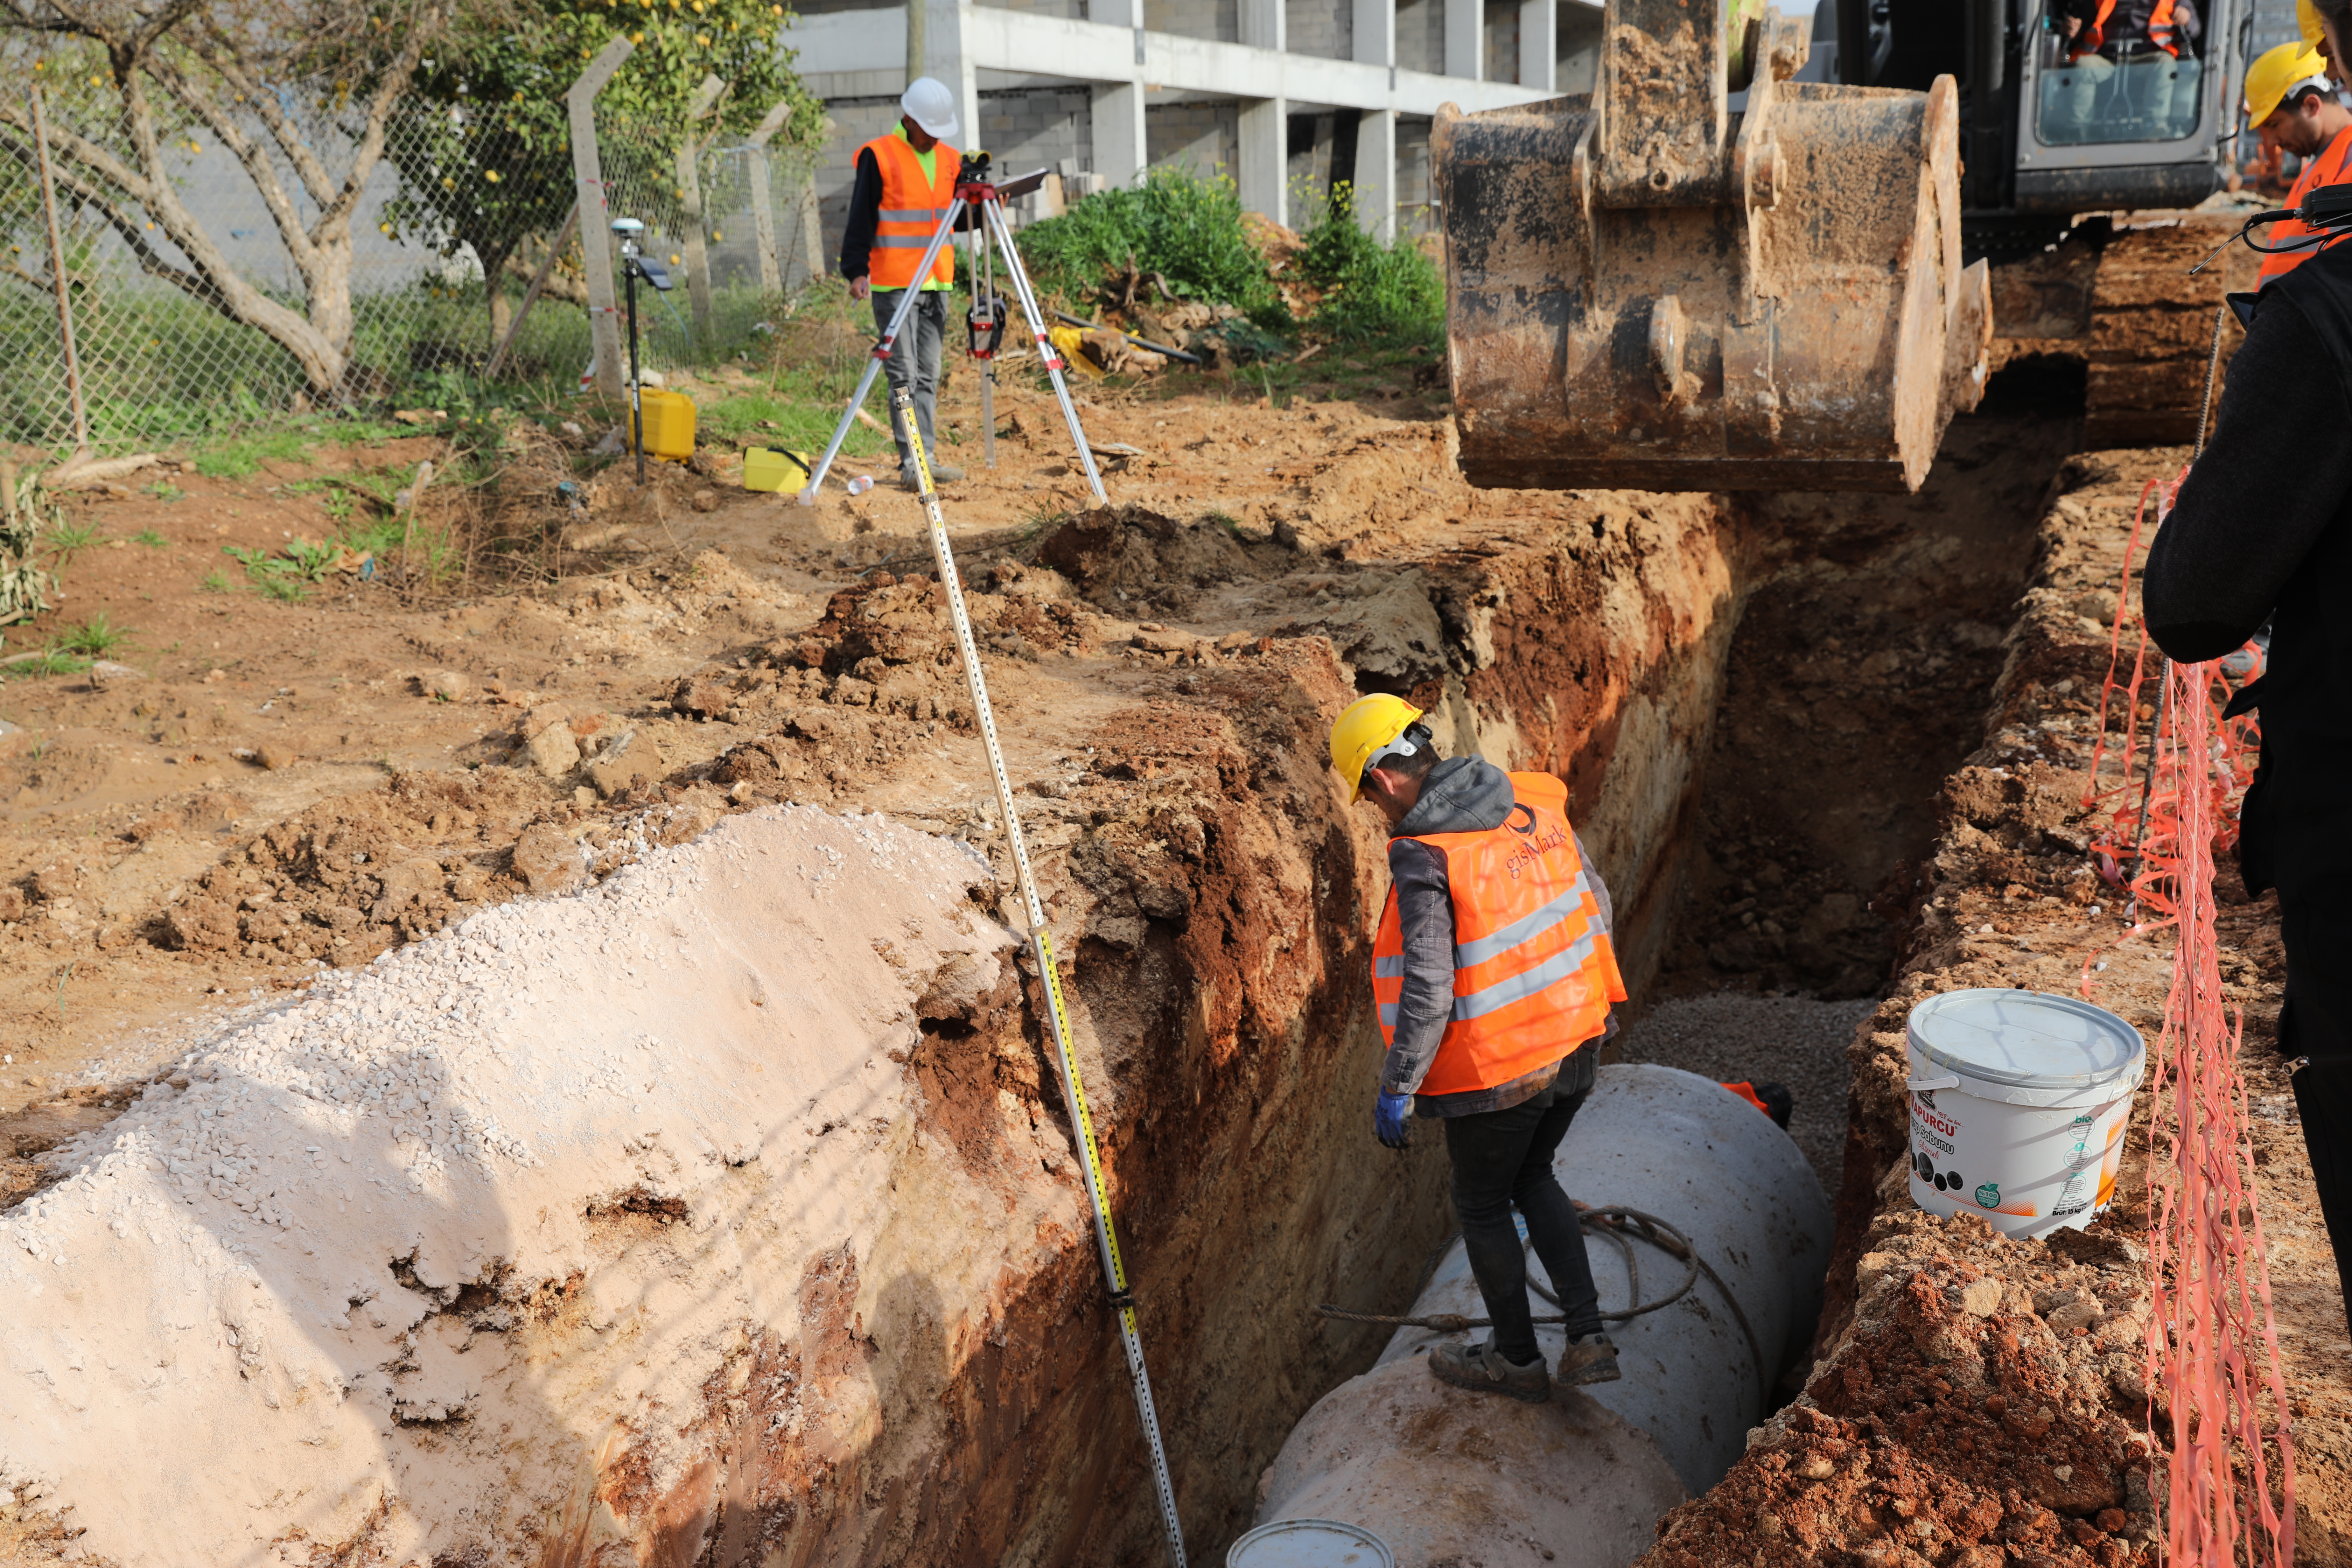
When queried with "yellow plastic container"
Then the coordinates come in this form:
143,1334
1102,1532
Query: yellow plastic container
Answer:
769,468
670,423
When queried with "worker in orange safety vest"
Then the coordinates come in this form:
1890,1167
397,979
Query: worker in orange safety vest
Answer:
2144,39
904,181
1494,974
2291,102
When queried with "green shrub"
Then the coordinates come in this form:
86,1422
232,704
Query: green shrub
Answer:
1183,224
1371,292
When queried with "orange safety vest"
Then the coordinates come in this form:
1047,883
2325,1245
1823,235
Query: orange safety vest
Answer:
2161,31
1534,970
912,206
2327,169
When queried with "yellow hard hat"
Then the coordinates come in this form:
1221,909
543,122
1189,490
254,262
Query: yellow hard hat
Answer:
2306,21
1361,732
2279,72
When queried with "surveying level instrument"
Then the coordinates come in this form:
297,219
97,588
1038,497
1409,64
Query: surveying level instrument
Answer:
982,199
637,264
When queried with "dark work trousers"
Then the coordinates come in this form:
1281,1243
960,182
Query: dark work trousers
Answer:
914,364
1502,1160
2317,1024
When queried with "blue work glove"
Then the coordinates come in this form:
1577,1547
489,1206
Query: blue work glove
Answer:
1390,1114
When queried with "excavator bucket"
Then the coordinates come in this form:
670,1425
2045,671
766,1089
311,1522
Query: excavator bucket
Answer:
1647,289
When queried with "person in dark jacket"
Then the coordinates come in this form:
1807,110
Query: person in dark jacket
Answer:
1495,976
2262,530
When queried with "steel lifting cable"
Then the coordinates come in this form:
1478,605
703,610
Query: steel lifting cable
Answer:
1622,1226
1074,1095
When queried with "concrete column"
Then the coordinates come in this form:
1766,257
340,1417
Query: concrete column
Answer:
1264,152
1376,172
1121,151
1376,182
1539,43
951,63
1265,157
1466,38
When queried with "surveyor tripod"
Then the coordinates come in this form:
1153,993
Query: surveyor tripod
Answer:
977,195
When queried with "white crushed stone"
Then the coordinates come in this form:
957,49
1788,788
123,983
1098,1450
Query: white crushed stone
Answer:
1734,1036
254,1274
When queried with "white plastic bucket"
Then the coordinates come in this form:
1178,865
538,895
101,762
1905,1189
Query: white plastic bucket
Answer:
2018,1103
1310,1543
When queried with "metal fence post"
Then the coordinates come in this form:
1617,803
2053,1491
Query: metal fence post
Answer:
595,216
690,197
763,207
57,278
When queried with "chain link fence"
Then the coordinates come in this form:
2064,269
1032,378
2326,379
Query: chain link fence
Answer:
469,208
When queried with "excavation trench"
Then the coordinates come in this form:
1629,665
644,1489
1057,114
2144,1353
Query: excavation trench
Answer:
723,1210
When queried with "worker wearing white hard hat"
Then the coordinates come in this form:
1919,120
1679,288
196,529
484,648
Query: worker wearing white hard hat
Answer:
905,185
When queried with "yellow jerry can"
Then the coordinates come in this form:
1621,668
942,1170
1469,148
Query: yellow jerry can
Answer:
670,423
771,468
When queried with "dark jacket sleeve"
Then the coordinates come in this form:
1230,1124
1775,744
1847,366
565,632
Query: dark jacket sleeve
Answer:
865,212
2256,502
1425,910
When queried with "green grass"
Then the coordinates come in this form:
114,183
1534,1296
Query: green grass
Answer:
1372,293
150,539
165,491
93,639
52,661
241,457
217,582
69,539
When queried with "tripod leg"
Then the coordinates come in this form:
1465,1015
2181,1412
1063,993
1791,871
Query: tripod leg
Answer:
889,341
995,212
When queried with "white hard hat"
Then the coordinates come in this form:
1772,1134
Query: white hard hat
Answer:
929,105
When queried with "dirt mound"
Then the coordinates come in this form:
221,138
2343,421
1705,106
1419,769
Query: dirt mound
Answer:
1132,553
1961,1419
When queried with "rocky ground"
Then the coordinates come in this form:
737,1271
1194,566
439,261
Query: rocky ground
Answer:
1974,1397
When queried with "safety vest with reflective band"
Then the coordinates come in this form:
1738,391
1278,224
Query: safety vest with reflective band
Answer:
2161,31
2330,168
1534,971
913,203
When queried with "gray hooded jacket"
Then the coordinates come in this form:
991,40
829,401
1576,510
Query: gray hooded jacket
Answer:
1462,794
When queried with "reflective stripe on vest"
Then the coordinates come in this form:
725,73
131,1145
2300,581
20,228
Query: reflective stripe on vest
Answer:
2327,169
1534,969
911,207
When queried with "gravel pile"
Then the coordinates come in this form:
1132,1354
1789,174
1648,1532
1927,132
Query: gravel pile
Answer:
1733,1035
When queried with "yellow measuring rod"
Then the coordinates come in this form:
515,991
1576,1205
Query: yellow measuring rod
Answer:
1065,1056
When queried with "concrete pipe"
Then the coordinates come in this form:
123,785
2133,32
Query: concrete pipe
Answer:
1582,1480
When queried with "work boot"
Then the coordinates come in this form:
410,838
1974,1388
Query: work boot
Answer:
1484,1369
1589,1359
945,473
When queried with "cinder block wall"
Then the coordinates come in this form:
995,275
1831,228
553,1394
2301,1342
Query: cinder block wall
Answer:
1205,135
1323,28
1217,19
1412,177
1420,35
1502,19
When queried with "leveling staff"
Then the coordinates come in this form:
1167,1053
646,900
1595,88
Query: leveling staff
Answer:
2263,531
1494,974
906,182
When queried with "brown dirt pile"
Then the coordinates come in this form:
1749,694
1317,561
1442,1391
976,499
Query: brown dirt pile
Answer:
1963,1419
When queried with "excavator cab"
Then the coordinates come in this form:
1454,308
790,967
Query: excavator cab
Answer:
1707,275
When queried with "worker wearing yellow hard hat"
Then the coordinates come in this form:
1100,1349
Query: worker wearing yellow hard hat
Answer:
2291,101
1494,974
